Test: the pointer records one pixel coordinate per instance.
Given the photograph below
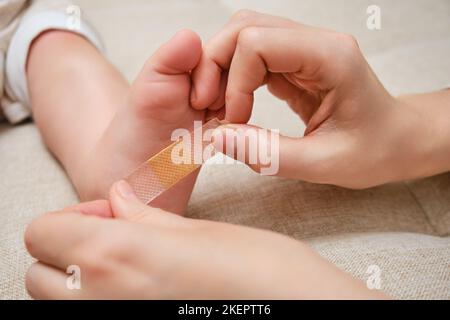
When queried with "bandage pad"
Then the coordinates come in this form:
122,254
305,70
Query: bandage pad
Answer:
161,172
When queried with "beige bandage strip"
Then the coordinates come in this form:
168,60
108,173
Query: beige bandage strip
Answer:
160,172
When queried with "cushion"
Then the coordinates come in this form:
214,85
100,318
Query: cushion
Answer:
402,229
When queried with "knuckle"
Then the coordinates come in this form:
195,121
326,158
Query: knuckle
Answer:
32,232
97,255
92,263
349,40
244,15
249,37
109,247
348,54
348,45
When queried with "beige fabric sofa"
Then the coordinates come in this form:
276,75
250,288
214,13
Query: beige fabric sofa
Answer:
403,228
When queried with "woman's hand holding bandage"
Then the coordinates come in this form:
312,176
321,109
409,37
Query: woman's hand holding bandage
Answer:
357,134
147,253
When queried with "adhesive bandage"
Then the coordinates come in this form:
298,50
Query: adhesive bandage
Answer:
168,167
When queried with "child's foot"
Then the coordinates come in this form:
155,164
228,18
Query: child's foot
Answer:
157,104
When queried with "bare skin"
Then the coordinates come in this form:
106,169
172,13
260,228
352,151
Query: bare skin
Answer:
358,136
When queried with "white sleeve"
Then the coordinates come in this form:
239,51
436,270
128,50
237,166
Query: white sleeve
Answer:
60,15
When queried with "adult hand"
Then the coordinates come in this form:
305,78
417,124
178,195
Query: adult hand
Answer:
357,134
148,253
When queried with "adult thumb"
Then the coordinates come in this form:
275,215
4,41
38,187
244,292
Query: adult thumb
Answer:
270,153
125,204
254,146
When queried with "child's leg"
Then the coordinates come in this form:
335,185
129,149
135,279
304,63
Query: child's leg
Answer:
74,93
98,126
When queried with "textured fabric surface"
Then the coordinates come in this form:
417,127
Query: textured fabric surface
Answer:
303,210
433,196
401,228
411,265
31,183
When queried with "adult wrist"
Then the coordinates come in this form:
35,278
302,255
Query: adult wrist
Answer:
427,134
